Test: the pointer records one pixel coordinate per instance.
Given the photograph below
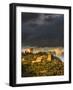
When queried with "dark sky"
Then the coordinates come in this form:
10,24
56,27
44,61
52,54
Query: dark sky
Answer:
42,30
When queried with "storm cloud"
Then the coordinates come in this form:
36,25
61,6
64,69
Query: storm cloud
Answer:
42,30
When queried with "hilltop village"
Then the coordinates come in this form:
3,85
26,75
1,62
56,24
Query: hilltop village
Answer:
39,55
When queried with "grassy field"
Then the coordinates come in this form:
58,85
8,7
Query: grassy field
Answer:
44,68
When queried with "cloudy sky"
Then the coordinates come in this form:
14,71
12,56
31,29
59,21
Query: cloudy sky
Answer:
42,30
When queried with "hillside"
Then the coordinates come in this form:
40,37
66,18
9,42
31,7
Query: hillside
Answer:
43,68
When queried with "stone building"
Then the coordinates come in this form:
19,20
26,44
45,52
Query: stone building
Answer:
49,57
